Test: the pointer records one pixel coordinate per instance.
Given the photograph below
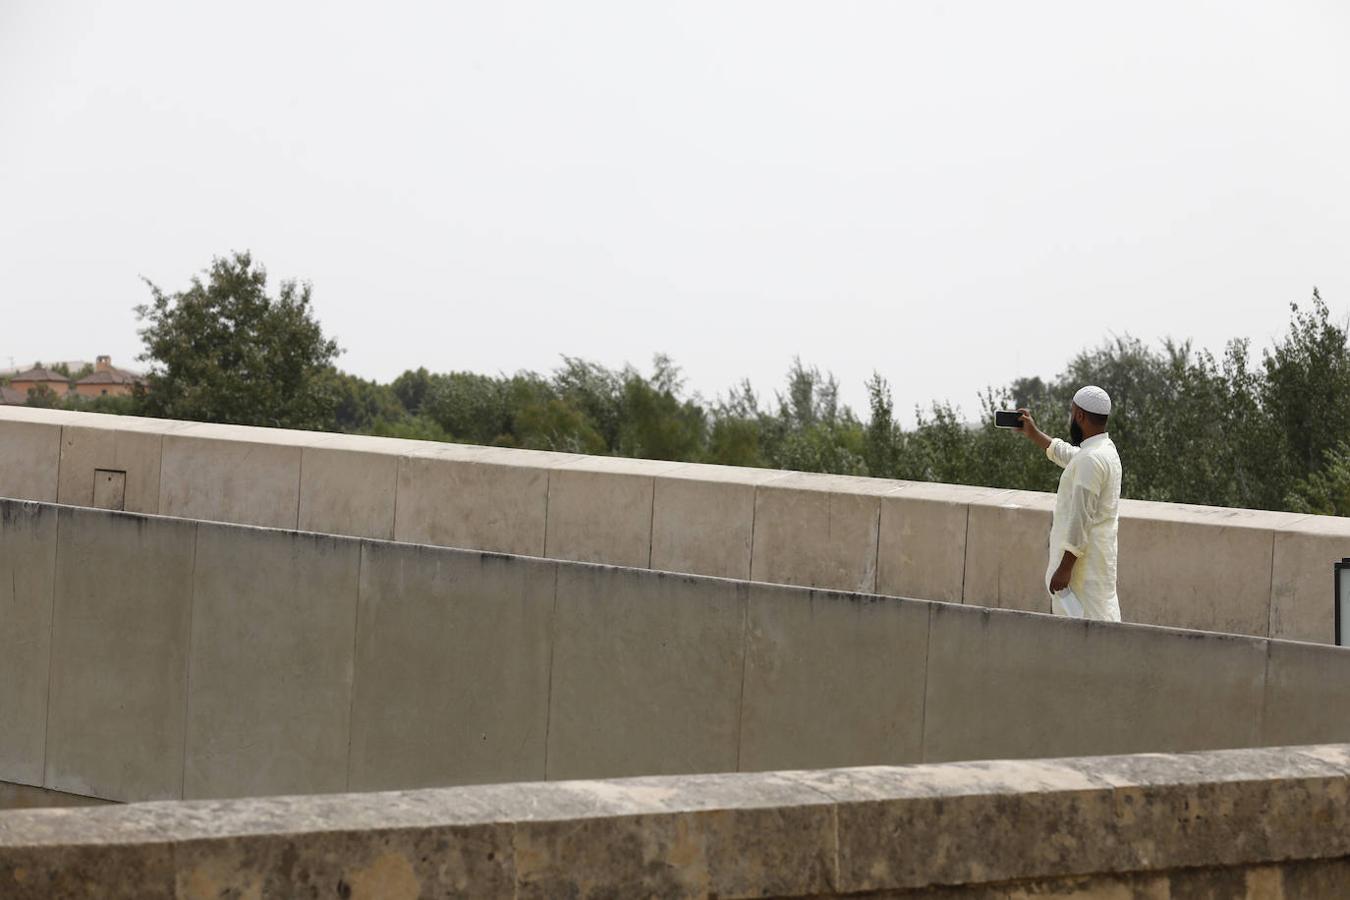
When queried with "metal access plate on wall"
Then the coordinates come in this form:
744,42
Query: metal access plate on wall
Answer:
110,489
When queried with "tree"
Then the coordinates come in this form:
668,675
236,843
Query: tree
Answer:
225,351
43,397
881,444
596,392
411,388
1325,492
470,407
1306,390
657,422
734,439
364,406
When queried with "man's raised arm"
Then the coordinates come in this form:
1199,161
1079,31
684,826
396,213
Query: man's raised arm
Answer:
1059,452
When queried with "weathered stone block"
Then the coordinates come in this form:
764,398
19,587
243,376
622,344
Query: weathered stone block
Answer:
123,872
819,531
703,519
1219,582
698,836
348,492
457,862
126,448
1302,594
474,498
989,824
600,510
922,549
1007,551
32,453
224,480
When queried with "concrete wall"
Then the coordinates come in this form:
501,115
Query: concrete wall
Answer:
153,657
1267,824
1228,570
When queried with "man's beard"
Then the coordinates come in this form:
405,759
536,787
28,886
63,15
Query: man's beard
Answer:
1075,432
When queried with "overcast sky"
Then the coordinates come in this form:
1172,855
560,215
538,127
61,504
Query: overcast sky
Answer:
952,193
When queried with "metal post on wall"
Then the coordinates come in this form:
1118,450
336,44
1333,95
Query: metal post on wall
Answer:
1342,610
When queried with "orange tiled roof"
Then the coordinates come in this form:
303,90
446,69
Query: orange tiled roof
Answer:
39,374
111,376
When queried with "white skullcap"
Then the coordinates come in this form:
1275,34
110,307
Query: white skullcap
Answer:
1093,399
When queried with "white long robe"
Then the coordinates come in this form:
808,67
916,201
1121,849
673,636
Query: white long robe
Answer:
1087,514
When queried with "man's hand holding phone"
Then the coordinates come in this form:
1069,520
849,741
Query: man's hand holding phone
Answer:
1028,424
1027,427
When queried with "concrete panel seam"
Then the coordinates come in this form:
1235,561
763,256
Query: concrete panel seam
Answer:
923,708
299,486
965,554
651,523
552,643
744,591
51,651
754,517
159,479
1270,594
1265,694
356,655
876,550
398,480
548,495
187,658
60,445
393,516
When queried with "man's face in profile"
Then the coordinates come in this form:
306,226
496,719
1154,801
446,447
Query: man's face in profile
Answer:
1075,430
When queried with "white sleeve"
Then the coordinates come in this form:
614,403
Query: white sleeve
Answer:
1061,453
1084,501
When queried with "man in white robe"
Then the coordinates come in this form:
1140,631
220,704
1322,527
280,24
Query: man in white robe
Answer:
1081,575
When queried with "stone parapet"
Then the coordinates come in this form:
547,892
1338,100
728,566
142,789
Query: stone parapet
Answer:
1266,823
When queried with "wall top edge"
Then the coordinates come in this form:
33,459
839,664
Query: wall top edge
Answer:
890,489
10,507
1263,770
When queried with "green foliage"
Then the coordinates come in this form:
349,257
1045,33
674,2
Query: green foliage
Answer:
1192,427
657,422
1327,491
883,440
1306,388
361,405
43,397
118,406
225,351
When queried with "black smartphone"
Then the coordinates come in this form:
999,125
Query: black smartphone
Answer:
1008,418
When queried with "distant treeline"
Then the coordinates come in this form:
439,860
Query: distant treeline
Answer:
1192,427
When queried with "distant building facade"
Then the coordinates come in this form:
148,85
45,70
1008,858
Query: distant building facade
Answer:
107,380
39,377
